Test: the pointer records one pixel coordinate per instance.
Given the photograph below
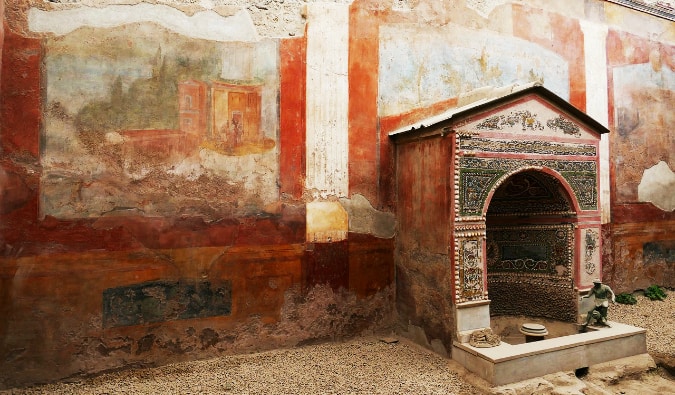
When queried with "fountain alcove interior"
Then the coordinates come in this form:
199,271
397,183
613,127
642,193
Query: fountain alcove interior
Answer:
499,214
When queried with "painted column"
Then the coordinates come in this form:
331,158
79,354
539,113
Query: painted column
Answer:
327,144
597,101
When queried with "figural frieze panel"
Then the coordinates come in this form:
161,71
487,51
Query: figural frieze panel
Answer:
529,117
524,118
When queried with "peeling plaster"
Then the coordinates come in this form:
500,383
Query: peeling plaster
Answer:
204,24
658,187
363,218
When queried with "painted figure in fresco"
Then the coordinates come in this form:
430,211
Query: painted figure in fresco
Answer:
602,293
238,129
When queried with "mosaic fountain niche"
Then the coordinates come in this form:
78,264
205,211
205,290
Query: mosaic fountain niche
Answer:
499,199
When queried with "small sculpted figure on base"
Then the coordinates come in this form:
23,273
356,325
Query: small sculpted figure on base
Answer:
602,294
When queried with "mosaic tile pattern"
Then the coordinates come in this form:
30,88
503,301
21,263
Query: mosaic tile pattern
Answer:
470,269
531,193
479,175
529,271
591,247
540,250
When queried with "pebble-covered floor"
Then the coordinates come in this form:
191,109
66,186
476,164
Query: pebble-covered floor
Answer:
360,366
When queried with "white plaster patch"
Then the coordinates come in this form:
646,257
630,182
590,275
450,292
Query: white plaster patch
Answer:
420,66
187,168
205,24
257,172
658,187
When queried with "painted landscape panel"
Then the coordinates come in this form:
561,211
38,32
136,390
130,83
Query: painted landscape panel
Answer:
140,120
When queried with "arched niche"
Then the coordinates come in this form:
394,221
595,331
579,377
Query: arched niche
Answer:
529,241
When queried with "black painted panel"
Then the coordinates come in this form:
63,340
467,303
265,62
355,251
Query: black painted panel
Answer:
159,301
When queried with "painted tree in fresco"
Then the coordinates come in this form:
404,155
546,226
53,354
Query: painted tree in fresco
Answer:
148,103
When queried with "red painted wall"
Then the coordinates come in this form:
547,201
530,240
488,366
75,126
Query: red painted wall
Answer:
423,281
55,273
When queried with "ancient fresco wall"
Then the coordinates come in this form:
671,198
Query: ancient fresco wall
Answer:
154,204
162,148
118,131
641,81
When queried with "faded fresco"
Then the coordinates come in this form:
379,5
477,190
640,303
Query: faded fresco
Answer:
142,120
420,67
644,97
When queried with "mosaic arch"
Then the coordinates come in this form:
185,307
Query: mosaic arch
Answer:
479,176
527,190
531,190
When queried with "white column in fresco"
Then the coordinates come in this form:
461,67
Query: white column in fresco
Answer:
327,99
597,101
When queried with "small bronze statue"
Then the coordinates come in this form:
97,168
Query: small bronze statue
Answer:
599,312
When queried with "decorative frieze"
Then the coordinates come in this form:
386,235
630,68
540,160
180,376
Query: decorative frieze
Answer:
529,121
526,147
524,118
508,164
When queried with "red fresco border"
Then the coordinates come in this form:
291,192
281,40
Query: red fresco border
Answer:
567,41
292,109
20,94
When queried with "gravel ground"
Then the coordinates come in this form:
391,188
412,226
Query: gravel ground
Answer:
361,366
658,317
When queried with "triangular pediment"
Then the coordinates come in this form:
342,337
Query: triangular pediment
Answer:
532,111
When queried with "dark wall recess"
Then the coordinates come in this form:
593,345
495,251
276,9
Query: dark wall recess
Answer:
159,301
